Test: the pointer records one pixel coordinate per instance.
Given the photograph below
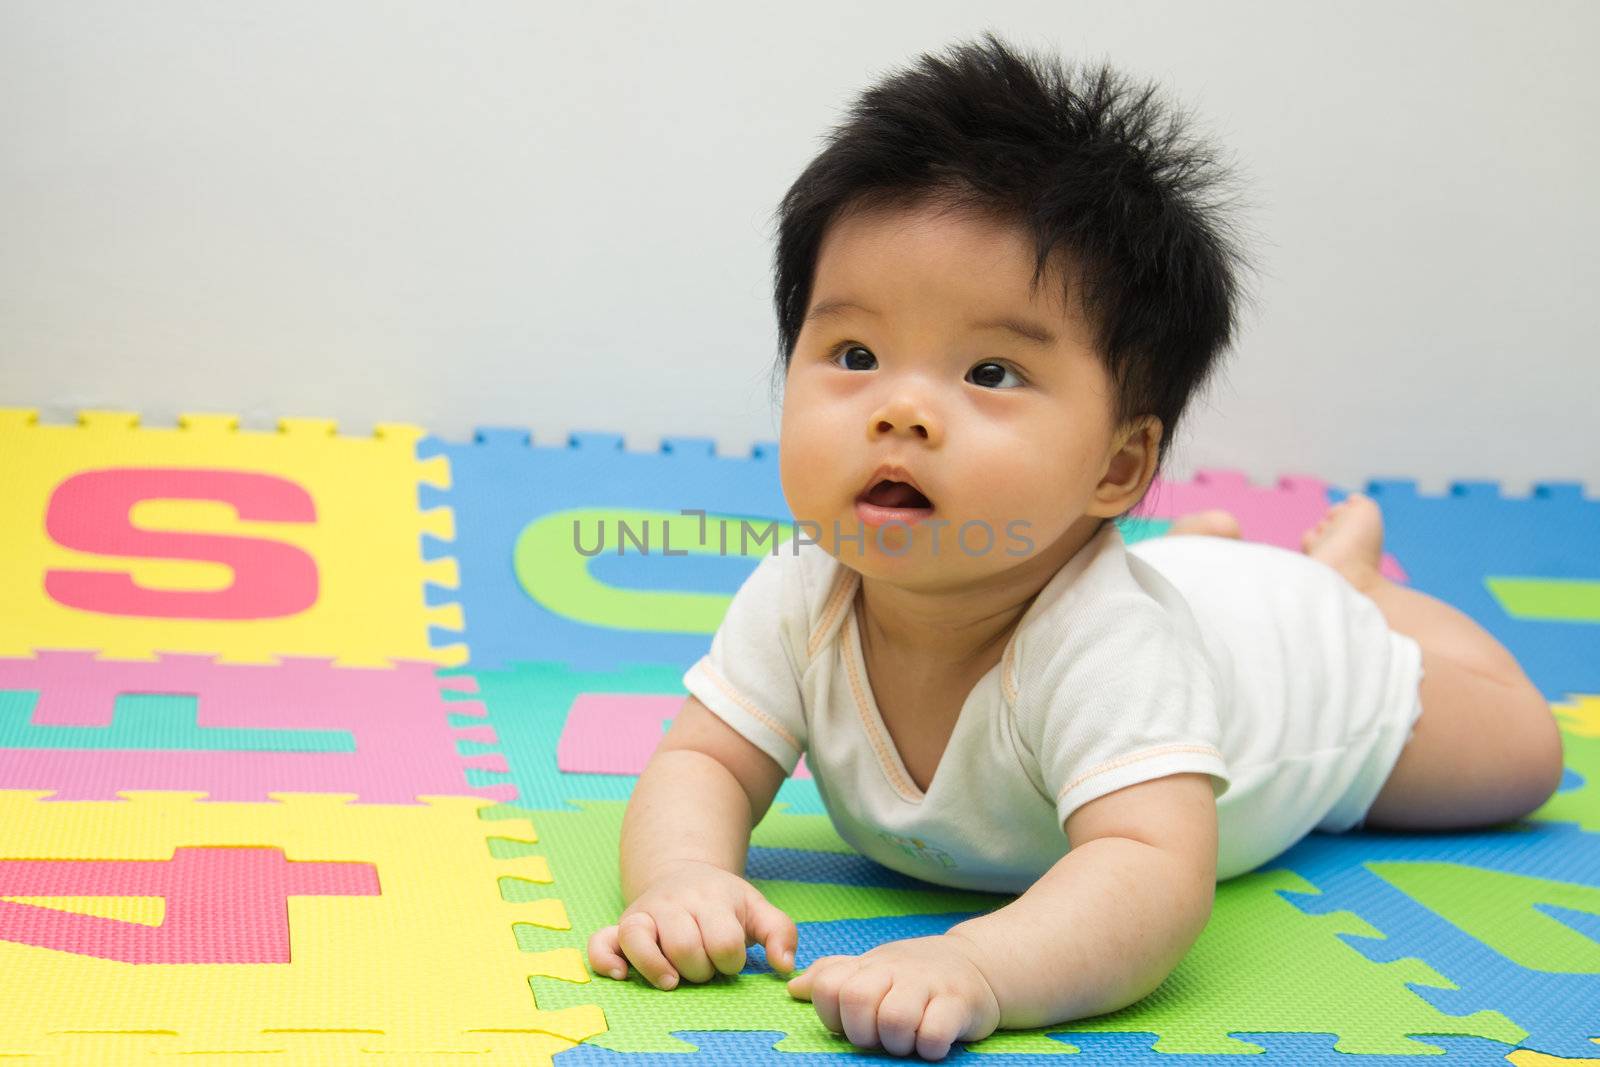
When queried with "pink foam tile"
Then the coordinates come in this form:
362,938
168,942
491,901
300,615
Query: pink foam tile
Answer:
405,746
1277,514
222,905
615,733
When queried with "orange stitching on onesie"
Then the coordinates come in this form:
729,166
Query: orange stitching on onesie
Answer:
842,585
868,726
738,698
1008,680
1111,765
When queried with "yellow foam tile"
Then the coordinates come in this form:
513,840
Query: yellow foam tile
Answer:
363,539
429,965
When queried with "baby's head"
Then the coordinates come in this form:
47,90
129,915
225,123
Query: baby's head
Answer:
1008,278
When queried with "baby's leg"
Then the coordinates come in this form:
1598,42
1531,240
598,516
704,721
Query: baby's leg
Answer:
1215,522
1486,748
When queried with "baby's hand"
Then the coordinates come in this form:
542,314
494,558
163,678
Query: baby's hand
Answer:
696,920
924,992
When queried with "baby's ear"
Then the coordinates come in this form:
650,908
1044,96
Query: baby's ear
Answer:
1130,467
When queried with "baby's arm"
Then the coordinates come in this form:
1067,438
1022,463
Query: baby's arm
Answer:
685,835
1114,916
1099,930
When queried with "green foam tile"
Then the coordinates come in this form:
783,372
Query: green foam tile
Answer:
1497,908
1261,964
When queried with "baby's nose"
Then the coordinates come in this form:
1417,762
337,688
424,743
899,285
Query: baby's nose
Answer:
886,426
905,414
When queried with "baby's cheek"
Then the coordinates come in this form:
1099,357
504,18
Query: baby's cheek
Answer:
812,472
799,477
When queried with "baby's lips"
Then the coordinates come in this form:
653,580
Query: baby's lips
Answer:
892,472
896,495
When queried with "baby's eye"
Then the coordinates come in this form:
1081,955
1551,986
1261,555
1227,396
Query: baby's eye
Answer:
985,374
845,352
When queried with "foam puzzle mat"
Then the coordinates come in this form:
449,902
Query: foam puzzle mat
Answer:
314,749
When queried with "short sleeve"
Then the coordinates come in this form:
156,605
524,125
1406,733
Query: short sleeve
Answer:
1124,696
751,677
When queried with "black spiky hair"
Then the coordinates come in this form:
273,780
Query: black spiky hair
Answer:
1100,172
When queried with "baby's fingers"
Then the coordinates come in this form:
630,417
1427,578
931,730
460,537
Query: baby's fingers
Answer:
900,1014
681,940
724,939
827,985
637,937
858,1004
946,1020
770,926
820,984
605,953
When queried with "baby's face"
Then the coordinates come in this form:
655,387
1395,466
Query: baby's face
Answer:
1005,433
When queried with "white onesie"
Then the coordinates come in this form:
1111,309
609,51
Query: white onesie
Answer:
1256,665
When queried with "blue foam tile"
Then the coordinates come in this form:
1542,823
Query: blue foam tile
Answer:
1569,491
833,868
500,484
706,573
436,547
1557,1009
595,441
739,1047
1102,1050
851,937
502,437
441,636
1451,544
1584,923
699,447
428,498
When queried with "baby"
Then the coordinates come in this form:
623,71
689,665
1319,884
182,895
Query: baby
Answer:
997,288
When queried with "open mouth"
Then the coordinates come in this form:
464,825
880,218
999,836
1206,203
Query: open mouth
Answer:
892,494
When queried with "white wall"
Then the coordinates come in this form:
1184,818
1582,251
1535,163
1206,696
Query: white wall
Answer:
559,216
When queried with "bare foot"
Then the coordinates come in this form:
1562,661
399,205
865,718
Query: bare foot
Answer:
1216,522
1349,538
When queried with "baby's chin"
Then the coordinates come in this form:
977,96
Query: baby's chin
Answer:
906,553
945,575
